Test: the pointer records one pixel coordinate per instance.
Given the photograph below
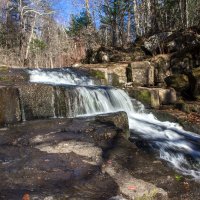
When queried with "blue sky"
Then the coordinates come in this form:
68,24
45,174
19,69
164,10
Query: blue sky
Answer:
65,8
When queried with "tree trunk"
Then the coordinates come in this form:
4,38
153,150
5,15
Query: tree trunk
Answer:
129,28
136,16
154,22
115,26
29,40
184,13
87,7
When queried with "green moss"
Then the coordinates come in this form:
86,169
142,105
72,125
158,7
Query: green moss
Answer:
115,80
178,177
5,79
97,74
3,69
149,196
144,96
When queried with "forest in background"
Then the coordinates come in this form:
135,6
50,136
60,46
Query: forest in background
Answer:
31,35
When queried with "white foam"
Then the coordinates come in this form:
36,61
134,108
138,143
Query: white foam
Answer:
60,77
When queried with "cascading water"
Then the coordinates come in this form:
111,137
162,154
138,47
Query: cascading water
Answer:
176,146
59,76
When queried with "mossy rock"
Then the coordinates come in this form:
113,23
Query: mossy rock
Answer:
115,80
148,97
4,78
144,96
178,82
4,69
97,74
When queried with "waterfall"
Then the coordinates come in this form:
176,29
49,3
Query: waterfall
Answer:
173,144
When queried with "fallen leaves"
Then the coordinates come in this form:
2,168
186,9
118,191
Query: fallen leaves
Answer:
26,197
132,187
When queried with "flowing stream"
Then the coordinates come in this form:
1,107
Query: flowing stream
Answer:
179,148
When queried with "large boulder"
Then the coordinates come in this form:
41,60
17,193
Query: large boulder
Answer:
107,55
183,39
172,41
186,84
154,44
147,96
167,96
162,68
153,97
112,73
185,60
179,82
9,105
141,73
119,120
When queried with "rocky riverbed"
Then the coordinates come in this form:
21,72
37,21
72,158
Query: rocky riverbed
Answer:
84,158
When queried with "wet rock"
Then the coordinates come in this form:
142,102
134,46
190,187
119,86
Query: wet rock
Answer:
9,106
121,165
11,76
190,122
37,101
141,73
119,120
134,188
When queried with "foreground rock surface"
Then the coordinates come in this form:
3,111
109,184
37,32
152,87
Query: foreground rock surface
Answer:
83,158
9,105
57,159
